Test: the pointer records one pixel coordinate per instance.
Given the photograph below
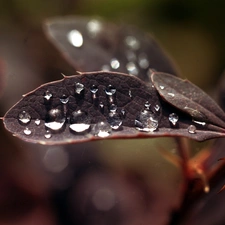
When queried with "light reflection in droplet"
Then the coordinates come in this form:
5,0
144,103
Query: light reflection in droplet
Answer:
75,38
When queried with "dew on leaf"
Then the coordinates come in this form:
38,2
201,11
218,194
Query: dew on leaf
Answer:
75,38
64,99
192,129
132,68
79,88
115,64
132,42
24,117
37,122
94,27
102,129
173,118
27,131
47,95
110,90
48,134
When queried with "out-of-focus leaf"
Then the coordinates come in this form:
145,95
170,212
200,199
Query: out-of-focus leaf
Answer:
93,45
102,105
2,76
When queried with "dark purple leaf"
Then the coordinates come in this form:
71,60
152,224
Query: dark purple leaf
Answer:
93,45
102,105
188,98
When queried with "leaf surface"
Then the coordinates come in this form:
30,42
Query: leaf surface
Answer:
101,105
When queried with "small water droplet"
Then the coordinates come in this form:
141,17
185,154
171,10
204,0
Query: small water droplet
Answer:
132,42
132,68
192,129
94,89
147,105
27,131
105,68
157,108
110,90
48,134
102,129
199,122
115,64
173,118
161,87
113,108
143,61
55,119
75,38
94,27
47,95
101,105
130,94
171,94
79,88
64,99
24,117
146,121
37,122
123,112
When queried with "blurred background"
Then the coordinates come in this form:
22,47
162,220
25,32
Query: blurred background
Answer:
119,182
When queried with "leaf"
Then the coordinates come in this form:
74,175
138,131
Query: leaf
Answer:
188,98
93,45
100,105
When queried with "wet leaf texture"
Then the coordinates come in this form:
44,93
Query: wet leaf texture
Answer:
93,45
102,105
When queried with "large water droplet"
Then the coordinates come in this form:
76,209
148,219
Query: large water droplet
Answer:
115,120
94,27
192,129
48,134
115,64
110,90
132,42
143,61
79,121
64,99
173,118
75,38
24,117
37,122
27,131
146,121
47,95
132,68
55,119
102,129
79,88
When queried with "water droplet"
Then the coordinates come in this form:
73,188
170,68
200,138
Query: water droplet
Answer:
37,122
132,68
64,99
110,90
171,94
94,27
102,129
105,68
173,118
147,105
115,64
55,119
47,95
79,127
157,108
94,89
132,42
75,38
27,131
79,88
24,117
79,121
161,87
101,105
143,61
123,112
113,108
146,121
48,134
199,122
192,129
130,94
115,120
